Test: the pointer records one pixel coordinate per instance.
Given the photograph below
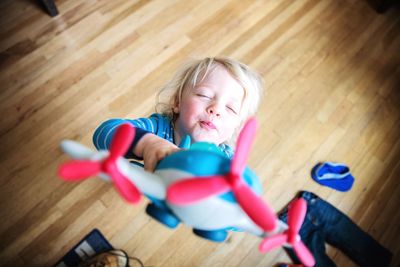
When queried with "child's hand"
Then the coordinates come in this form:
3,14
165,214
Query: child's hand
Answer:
153,149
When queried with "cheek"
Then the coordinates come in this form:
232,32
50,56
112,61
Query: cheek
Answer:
188,112
190,108
230,126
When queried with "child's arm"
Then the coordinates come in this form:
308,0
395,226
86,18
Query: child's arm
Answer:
105,132
153,130
153,149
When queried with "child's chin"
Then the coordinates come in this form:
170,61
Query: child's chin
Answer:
205,136
203,139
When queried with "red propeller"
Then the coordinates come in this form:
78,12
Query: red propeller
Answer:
81,169
194,189
296,214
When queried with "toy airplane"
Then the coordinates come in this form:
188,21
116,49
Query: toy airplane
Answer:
198,186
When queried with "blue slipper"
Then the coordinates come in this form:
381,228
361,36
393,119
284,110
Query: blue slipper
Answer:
334,175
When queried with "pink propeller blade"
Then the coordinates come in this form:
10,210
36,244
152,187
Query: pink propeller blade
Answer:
255,207
271,242
296,214
192,190
304,254
297,211
126,189
245,140
121,141
78,169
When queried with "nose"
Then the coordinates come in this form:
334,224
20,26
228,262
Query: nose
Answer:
214,110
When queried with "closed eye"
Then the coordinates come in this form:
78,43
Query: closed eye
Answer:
232,109
204,96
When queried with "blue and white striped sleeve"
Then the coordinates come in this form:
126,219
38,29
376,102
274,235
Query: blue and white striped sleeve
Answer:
104,133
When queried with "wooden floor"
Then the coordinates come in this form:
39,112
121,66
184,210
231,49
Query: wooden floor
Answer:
332,93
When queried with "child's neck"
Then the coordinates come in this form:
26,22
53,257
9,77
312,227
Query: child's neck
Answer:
176,138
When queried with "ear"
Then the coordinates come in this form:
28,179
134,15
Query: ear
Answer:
176,110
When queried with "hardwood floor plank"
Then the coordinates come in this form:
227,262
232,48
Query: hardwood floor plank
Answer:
332,93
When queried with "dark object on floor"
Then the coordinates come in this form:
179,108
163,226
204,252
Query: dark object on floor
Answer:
50,7
381,6
112,258
92,244
325,223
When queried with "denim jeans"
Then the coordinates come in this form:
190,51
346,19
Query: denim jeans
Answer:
324,223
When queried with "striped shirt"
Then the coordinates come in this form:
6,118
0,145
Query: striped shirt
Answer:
158,124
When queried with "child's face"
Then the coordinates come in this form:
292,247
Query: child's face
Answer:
210,112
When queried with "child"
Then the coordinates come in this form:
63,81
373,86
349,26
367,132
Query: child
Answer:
210,101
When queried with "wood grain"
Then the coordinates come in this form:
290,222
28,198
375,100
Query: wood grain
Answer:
332,93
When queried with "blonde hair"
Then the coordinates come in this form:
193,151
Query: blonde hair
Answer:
195,71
